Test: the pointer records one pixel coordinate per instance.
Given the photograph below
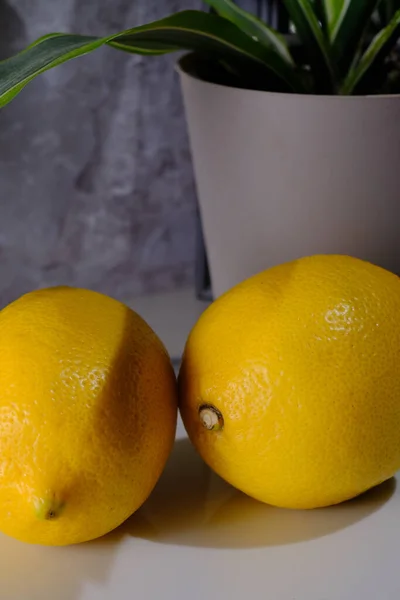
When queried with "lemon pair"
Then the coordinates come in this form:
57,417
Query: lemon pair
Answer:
289,389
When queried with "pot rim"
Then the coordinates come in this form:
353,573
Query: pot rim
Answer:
180,68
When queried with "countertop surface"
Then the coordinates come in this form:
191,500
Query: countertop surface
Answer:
196,537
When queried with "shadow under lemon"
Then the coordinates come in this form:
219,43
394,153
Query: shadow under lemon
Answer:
191,506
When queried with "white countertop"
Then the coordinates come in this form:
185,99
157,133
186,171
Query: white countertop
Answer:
197,538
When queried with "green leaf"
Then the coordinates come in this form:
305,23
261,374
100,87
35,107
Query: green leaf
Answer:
332,10
387,9
188,30
211,35
252,26
311,34
347,22
318,6
374,56
46,52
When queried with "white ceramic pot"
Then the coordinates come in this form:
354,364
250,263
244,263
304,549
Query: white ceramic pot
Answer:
281,176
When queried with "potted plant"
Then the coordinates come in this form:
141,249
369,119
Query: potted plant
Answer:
295,139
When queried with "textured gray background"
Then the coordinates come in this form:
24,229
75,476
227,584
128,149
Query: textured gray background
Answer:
96,181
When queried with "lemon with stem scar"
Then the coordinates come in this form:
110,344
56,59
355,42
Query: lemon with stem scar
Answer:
290,382
88,410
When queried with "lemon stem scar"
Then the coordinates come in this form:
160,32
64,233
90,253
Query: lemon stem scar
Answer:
211,418
48,509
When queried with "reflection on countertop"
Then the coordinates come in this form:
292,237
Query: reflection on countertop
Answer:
191,506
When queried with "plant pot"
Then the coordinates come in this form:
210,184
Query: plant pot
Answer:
280,176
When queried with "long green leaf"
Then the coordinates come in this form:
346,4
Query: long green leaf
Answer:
47,52
347,22
252,26
187,30
333,9
311,34
212,35
374,56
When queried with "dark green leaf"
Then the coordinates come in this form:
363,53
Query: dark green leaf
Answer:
374,56
252,26
332,11
347,27
47,52
212,35
387,9
318,6
311,34
187,30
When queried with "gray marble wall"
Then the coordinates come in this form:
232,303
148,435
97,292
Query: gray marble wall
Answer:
96,184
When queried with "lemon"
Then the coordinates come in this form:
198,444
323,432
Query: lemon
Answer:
290,382
88,410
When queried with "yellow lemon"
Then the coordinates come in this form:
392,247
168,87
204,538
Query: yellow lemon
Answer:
88,410
290,382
